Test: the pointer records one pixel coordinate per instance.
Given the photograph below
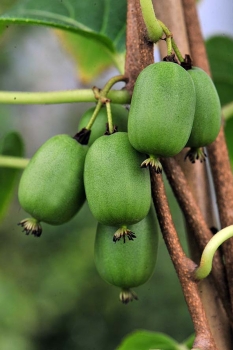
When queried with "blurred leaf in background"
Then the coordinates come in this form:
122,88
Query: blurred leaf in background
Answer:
103,20
220,55
10,145
91,57
144,340
99,27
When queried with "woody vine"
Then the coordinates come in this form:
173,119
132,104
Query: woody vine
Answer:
144,29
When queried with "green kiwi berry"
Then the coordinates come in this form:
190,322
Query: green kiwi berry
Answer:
118,191
207,118
51,188
127,265
162,111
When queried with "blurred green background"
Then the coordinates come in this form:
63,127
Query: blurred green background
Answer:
51,296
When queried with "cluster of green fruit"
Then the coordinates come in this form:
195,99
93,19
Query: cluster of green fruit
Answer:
171,108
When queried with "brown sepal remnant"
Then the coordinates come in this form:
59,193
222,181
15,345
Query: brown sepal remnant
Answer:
107,132
194,154
123,233
82,136
187,63
171,58
31,226
154,163
127,295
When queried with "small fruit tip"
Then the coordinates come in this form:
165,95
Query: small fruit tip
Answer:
127,295
31,226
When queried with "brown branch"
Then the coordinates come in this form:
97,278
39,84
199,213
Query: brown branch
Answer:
172,14
217,151
139,51
139,55
197,225
184,266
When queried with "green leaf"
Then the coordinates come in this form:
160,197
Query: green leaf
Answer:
220,55
228,129
90,55
145,340
189,342
10,145
101,19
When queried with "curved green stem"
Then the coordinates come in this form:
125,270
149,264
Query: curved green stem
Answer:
177,51
13,162
55,97
103,97
208,253
166,31
169,45
154,30
117,78
227,111
109,114
168,34
94,115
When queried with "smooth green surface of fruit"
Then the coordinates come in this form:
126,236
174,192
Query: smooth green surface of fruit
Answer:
119,118
207,119
118,191
51,188
162,110
130,264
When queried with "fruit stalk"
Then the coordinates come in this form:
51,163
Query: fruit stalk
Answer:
94,115
109,114
171,42
101,96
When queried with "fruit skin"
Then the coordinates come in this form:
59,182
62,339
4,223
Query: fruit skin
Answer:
162,110
119,116
130,264
118,191
207,119
51,188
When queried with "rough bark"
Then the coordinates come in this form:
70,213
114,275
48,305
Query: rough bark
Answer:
139,51
198,178
217,151
139,55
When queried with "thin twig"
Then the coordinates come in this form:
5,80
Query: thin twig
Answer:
184,266
197,225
